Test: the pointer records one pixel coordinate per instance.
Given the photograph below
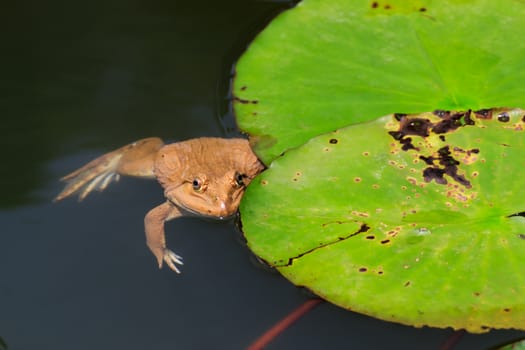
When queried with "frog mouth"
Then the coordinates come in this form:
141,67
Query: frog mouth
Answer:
192,212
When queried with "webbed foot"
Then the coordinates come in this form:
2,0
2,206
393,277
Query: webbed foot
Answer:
135,159
170,258
155,236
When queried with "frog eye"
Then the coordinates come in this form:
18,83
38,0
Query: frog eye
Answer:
239,179
197,185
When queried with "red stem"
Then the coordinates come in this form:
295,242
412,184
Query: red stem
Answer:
283,324
453,340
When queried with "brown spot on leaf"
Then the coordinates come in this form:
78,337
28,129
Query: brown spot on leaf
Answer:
503,117
452,121
362,214
412,180
395,231
245,101
443,165
338,222
406,143
441,113
446,165
427,160
397,135
484,114
414,126
399,116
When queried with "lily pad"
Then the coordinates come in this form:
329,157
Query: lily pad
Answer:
326,64
417,219
516,345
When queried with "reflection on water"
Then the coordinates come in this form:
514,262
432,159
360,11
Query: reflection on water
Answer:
79,79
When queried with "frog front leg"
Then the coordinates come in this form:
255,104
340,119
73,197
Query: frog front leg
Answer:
155,236
135,159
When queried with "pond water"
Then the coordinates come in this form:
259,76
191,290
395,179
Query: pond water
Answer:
81,79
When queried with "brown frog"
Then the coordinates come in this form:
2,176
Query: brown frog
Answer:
205,176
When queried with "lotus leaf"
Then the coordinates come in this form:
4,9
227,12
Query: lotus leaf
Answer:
326,64
417,219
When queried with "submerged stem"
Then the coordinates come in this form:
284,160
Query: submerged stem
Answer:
283,324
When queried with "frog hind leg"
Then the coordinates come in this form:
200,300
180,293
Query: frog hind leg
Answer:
155,235
135,159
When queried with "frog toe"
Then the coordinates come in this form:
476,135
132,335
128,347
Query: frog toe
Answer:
96,175
170,258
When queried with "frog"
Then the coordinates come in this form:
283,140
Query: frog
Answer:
204,177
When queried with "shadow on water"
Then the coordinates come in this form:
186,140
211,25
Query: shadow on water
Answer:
79,79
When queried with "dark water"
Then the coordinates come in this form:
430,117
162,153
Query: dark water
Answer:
82,78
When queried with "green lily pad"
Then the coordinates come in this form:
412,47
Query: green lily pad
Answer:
417,219
516,345
326,64
3,345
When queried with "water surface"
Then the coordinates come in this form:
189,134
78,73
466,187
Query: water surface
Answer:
80,79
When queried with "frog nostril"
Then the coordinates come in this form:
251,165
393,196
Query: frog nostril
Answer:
221,205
